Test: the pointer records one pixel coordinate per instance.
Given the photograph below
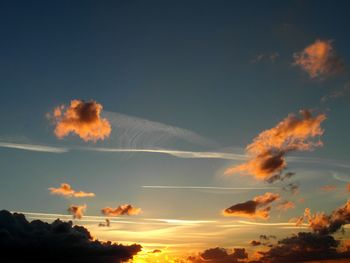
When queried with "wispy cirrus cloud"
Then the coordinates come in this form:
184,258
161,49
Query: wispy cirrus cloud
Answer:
268,150
136,133
67,191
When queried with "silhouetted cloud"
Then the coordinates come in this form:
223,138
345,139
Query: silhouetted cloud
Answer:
106,224
67,191
319,59
279,177
268,150
255,243
83,119
219,255
259,207
328,224
293,188
77,211
37,241
121,210
303,247
156,251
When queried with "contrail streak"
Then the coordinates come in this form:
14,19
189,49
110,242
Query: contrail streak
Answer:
206,187
34,147
176,153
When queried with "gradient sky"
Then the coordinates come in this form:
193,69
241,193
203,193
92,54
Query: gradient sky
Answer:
188,64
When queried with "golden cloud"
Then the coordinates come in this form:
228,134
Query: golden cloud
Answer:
67,191
83,119
125,209
268,150
77,211
257,208
319,59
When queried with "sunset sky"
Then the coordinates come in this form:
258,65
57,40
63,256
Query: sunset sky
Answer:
163,116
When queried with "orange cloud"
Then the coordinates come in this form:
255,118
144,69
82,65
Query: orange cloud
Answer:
327,224
268,150
348,187
121,210
328,188
77,211
319,59
285,205
67,191
82,118
256,208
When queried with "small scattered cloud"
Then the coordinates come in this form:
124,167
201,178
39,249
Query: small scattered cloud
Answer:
293,188
319,59
259,207
38,241
279,177
255,243
125,209
336,94
265,57
285,205
77,211
268,150
106,224
82,118
67,191
155,251
328,188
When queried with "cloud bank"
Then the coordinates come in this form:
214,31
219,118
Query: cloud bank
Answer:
37,241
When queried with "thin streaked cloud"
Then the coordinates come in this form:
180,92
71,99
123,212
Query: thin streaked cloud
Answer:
33,147
205,187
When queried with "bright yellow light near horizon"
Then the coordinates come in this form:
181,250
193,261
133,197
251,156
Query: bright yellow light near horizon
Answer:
153,258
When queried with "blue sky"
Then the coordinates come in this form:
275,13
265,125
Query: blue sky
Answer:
188,64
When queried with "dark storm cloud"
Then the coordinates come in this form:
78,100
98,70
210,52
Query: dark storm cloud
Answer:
38,241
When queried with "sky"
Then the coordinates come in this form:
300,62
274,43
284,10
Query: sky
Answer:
172,113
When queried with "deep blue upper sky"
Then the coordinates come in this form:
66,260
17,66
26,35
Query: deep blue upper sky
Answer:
185,63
